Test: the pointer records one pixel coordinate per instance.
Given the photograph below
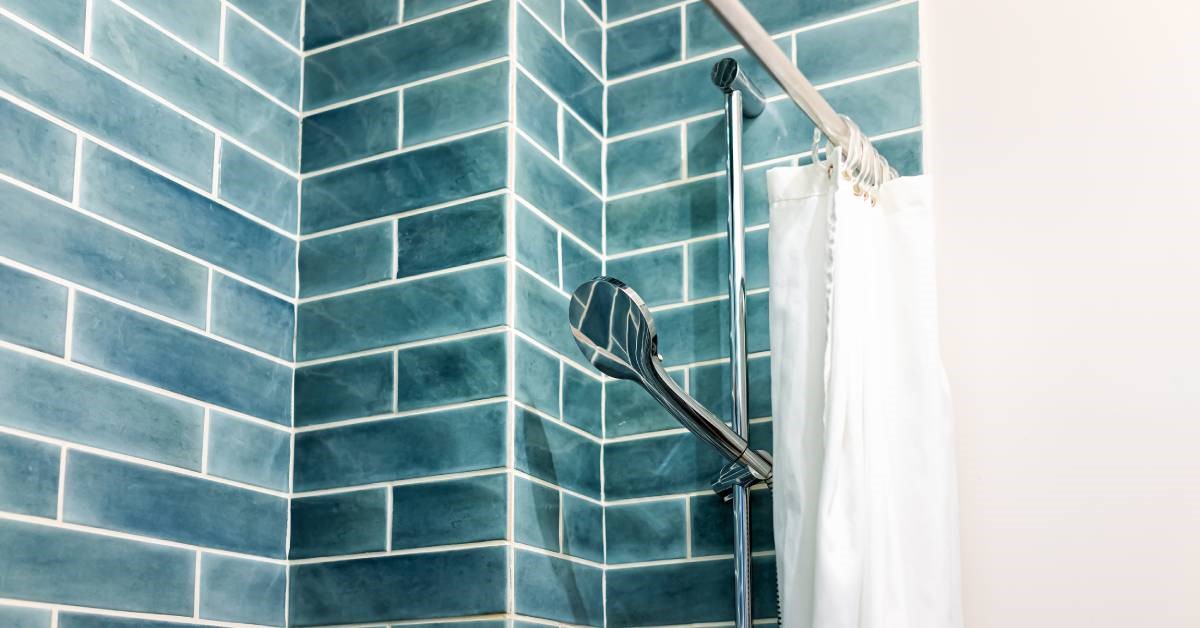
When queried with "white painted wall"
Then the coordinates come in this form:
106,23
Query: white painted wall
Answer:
1064,136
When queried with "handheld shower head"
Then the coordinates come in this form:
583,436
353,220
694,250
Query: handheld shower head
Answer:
616,333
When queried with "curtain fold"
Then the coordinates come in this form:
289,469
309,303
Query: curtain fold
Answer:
865,499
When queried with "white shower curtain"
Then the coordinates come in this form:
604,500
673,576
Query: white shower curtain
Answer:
865,503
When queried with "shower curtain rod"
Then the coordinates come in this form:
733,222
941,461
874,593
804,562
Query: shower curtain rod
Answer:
754,37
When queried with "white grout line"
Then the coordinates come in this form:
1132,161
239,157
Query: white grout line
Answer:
62,482
558,37
77,176
403,214
266,31
221,34
69,335
392,27
205,439
196,583
303,429
57,608
401,151
403,86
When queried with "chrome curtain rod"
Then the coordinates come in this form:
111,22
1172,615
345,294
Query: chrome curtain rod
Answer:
755,38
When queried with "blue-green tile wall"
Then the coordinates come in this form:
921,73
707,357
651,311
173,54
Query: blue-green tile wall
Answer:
149,204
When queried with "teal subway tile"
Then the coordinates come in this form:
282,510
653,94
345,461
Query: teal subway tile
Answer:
548,11
677,92
448,441
346,259
710,386
581,150
357,130
642,44
198,22
583,34
685,593
646,531
244,451
554,588
339,524
406,181
36,151
578,264
435,584
119,189
415,310
551,452
452,372
620,9
430,47
644,160
247,315
44,398
537,244
456,104
120,341
549,188
446,512
24,617
629,409
552,64
542,313
903,152
105,572
693,333
419,8
865,44
597,7
263,60
657,276
485,623
536,515
34,311
667,215
708,265
28,476
79,620
197,85
537,113
345,389
116,495
77,92
451,236
581,400
63,19
330,21
282,17
256,186
583,528
247,591
537,378
706,33
659,465
712,524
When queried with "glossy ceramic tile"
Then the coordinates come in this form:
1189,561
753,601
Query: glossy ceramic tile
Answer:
430,47
256,186
903,153
416,310
558,589
581,400
656,276
537,113
418,8
107,572
35,69
34,311
581,150
440,584
247,315
551,452
712,524
456,104
451,372
646,531
548,11
537,378
451,236
198,22
545,185
405,181
120,341
446,512
662,465
282,17
537,244
247,452
345,389
447,441
360,129
537,515
583,528
578,264
620,9
542,313
151,59
644,160
346,259
236,589
77,620
340,523
25,617
28,476
62,18
629,409
684,593
551,63
865,44
45,398
645,43
583,33
329,21
708,265
257,56
36,151
710,386
127,497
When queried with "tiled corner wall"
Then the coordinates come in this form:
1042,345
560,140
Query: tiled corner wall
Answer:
148,218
